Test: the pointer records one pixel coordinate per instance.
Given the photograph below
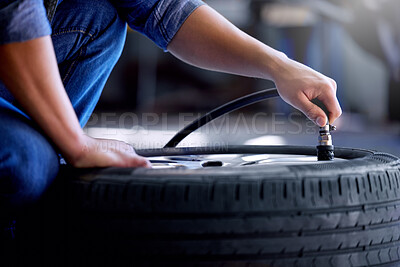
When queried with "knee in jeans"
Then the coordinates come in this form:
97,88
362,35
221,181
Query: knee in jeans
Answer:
94,25
99,18
113,29
25,174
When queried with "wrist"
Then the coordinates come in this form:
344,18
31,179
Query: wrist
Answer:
76,147
275,65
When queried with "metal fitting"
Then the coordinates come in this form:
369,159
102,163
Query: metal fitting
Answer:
325,147
325,138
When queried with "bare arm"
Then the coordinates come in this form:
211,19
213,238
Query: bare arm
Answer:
29,70
209,41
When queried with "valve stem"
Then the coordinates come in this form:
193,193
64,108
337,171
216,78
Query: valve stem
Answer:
325,147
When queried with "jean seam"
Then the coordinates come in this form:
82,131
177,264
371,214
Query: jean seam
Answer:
81,50
63,31
72,66
162,27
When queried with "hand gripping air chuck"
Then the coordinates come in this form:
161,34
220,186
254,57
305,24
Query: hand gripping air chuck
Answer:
325,147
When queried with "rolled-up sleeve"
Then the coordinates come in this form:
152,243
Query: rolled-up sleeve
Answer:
22,20
159,20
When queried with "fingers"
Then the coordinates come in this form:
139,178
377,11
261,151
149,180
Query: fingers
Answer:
328,97
107,153
312,111
333,106
139,161
134,160
326,93
124,155
301,84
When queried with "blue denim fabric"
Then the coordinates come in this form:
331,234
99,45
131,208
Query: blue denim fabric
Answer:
88,39
88,45
22,20
28,162
158,20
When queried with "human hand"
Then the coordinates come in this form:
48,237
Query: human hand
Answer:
298,84
96,152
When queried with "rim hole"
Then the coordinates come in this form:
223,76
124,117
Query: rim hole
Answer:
212,163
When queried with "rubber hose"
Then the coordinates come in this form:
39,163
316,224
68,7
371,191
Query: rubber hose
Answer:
222,110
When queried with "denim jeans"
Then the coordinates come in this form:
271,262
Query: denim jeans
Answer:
88,38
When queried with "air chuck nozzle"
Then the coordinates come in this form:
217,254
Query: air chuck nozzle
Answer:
325,147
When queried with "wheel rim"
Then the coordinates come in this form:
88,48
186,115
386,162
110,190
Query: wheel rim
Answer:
201,161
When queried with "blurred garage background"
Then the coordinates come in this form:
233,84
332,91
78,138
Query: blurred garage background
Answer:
151,94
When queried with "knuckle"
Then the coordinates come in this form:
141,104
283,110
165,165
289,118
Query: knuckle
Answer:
133,162
327,86
339,112
128,148
334,84
137,161
336,113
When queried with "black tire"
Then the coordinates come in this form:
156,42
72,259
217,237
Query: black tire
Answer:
344,213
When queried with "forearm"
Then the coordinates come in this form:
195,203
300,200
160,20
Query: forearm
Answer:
209,41
30,72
